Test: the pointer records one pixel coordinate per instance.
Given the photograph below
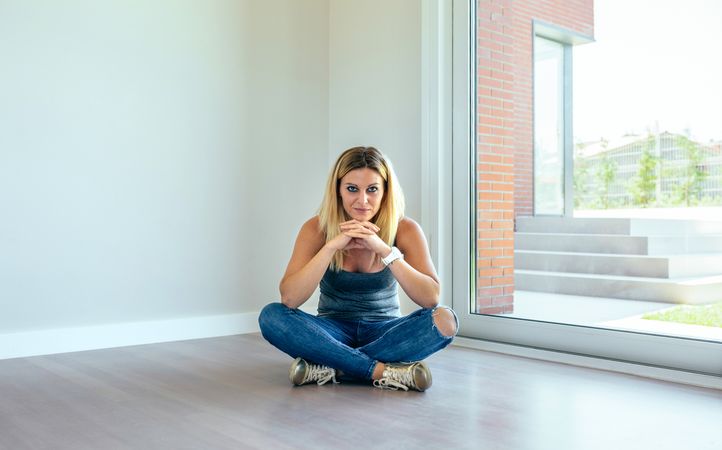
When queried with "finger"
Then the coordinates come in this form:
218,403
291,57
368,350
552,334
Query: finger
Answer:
359,236
370,226
354,234
374,227
347,225
357,227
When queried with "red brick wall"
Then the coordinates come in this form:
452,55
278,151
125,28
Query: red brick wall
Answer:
504,131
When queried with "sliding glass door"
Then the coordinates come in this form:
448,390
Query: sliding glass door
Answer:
485,161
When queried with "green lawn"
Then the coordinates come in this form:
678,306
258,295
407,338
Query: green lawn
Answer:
706,315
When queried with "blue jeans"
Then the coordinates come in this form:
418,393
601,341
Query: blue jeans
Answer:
352,346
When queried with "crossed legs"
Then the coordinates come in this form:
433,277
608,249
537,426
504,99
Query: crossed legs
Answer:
359,349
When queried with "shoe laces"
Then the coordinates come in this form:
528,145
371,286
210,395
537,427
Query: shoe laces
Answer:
395,378
320,374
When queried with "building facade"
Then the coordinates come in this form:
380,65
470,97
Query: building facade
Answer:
671,168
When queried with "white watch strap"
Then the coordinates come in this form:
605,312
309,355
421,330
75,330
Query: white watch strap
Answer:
393,256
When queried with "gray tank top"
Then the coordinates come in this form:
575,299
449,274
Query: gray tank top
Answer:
358,295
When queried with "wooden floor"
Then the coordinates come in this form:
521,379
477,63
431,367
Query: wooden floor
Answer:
233,393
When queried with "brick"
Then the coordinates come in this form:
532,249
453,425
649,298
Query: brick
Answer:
490,292
483,263
502,281
503,224
491,272
505,131
487,252
495,310
497,234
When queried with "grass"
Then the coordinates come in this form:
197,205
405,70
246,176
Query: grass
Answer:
705,315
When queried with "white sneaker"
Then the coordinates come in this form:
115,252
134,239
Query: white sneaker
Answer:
302,372
397,376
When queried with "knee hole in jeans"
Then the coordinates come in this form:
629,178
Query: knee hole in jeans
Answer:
445,321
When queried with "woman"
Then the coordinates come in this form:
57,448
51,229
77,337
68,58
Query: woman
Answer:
359,248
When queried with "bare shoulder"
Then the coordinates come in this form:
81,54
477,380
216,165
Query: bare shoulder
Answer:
409,230
309,240
410,237
411,240
311,230
313,224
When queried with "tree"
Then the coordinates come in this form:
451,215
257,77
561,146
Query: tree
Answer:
606,173
644,184
692,174
581,177
581,182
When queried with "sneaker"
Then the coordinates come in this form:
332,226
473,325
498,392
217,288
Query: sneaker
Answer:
303,372
397,376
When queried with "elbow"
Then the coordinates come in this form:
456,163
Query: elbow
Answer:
435,297
288,301
291,299
429,301
433,302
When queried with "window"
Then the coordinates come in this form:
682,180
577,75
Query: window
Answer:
483,158
549,126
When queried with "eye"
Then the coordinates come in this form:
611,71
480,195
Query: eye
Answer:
352,188
373,189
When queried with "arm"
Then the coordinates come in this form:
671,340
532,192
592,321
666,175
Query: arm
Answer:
310,259
415,273
307,265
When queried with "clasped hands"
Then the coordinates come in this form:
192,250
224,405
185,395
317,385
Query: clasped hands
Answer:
360,235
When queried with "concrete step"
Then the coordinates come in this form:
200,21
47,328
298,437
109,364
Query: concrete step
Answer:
670,266
628,227
695,290
619,244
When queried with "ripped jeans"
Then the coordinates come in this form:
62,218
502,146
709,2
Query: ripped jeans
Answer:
352,346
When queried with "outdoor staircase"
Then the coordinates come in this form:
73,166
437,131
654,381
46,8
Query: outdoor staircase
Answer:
661,260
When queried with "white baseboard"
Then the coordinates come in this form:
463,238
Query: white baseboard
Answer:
62,340
657,373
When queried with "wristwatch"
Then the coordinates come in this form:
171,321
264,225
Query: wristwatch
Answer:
393,256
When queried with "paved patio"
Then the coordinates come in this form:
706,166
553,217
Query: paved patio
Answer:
604,312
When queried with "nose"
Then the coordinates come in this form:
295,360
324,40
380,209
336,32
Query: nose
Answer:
364,198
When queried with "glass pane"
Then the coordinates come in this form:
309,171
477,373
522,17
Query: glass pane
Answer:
557,282
548,127
643,271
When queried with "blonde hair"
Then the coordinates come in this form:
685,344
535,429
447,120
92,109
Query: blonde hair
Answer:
331,214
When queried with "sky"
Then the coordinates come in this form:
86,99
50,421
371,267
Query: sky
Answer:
654,63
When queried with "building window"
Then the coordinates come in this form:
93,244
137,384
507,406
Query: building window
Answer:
549,127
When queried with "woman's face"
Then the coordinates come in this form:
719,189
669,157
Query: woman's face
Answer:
361,193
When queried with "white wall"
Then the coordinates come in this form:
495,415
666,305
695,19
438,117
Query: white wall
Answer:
286,135
375,87
156,158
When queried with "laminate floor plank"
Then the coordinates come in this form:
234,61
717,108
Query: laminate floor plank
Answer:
233,393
